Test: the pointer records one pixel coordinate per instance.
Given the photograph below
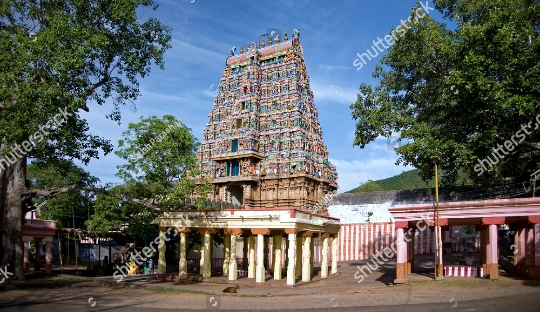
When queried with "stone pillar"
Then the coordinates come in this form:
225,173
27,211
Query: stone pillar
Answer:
251,267
277,256
306,256
286,253
265,252
291,256
401,259
233,274
226,254
334,253
48,255
206,255
298,265
312,252
37,264
324,262
182,262
26,263
260,269
493,252
162,263
245,253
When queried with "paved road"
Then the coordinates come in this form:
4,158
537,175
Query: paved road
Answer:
524,303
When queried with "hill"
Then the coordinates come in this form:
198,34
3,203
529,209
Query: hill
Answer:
407,180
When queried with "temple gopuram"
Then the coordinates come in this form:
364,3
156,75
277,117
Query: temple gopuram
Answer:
262,146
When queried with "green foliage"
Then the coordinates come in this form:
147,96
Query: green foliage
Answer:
407,180
161,161
58,174
455,94
60,55
369,186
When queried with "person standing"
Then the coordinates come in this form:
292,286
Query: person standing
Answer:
150,263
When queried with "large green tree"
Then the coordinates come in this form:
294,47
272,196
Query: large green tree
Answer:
456,92
59,58
159,175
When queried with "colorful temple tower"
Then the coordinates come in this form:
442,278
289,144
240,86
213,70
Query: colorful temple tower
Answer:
262,146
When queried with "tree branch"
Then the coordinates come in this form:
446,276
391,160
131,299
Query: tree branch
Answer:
54,192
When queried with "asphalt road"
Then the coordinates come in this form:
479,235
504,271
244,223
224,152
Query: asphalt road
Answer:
522,303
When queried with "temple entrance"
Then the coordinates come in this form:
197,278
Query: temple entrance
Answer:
237,194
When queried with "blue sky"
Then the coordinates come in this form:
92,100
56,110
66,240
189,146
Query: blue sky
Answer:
332,33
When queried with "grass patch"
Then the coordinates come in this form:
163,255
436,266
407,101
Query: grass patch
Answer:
51,281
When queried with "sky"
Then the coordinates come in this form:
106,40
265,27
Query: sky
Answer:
332,33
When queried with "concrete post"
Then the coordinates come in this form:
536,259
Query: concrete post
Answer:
312,259
48,256
493,252
26,263
299,251
334,253
401,261
535,271
306,258
291,256
277,256
265,253
244,253
324,263
226,254
251,267
233,274
260,270
182,262
37,264
206,256
162,263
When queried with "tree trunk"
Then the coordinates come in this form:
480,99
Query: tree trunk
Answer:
12,186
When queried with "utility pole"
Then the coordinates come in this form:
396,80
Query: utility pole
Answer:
438,240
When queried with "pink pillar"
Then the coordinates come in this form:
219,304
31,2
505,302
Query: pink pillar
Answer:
534,271
26,263
529,247
537,244
37,265
401,258
519,249
48,257
493,257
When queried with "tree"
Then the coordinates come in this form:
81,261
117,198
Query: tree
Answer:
161,159
369,186
58,58
457,93
75,204
159,175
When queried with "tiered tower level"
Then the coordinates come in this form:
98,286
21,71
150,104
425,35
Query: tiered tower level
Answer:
262,146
